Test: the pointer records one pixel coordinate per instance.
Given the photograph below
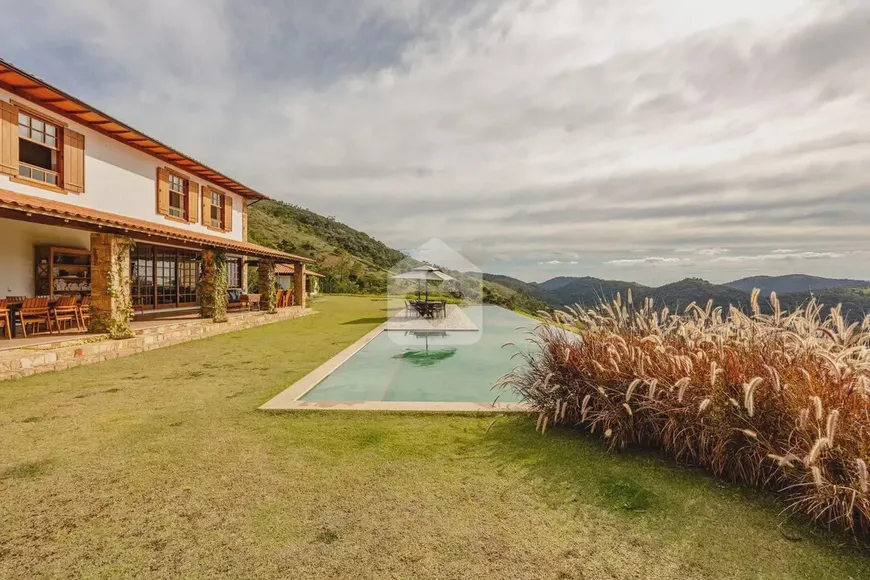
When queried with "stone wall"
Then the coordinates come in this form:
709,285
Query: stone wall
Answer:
111,306
60,355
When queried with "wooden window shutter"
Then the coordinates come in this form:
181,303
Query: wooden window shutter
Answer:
228,213
206,206
8,138
192,200
73,161
162,191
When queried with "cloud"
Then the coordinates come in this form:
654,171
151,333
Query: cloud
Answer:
712,251
516,129
556,262
782,255
648,260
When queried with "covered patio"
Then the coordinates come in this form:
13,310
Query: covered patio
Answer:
42,353
115,268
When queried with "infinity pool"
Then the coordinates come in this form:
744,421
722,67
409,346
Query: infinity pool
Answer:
434,368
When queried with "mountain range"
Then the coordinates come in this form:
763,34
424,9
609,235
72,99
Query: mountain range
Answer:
792,290
354,262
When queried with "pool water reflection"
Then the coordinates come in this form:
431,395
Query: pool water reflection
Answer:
433,368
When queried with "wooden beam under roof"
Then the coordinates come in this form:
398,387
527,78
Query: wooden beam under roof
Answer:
22,83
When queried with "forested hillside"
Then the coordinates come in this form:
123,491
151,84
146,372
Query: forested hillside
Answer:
794,283
352,261
567,291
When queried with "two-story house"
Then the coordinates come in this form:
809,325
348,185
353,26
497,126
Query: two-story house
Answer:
74,181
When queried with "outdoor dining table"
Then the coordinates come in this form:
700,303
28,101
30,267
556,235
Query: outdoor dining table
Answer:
429,309
14,307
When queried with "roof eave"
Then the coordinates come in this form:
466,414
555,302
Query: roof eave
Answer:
171,156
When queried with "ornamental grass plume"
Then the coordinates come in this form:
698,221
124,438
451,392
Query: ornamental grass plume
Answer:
780,401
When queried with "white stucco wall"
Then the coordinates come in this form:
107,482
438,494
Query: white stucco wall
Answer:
120,180
17,240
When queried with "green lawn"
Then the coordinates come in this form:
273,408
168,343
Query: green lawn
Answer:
159,465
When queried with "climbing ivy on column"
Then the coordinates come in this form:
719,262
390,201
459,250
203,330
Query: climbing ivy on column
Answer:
115,320
213,286
266,272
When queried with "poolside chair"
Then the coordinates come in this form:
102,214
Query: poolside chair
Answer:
4,319
34,311
84,311
66,311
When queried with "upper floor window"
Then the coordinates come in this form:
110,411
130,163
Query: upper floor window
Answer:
38,150
217,210
177,196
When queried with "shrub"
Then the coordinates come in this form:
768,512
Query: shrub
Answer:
773,400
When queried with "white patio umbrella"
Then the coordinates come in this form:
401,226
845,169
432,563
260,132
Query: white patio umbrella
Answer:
424,274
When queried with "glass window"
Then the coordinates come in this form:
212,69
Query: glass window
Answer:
177,196
163,277
234,272
38,149
217,210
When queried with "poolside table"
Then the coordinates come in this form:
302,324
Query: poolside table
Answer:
430,309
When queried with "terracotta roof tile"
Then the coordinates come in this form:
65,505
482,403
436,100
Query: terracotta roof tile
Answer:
38,91
28,203
286,269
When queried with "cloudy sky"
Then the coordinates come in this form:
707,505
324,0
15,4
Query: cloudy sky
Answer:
647,140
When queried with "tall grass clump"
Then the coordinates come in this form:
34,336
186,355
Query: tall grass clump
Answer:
777,400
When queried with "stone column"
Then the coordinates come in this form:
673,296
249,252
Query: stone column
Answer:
299,283
111,305
213,286
266,285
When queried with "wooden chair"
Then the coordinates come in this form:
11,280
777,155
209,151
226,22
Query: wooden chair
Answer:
66,311
290,299
84,311
249,301
34,311
4,318
15,299
279,299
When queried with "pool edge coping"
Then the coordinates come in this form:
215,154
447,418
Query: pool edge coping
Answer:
412,406
290,398
286,398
